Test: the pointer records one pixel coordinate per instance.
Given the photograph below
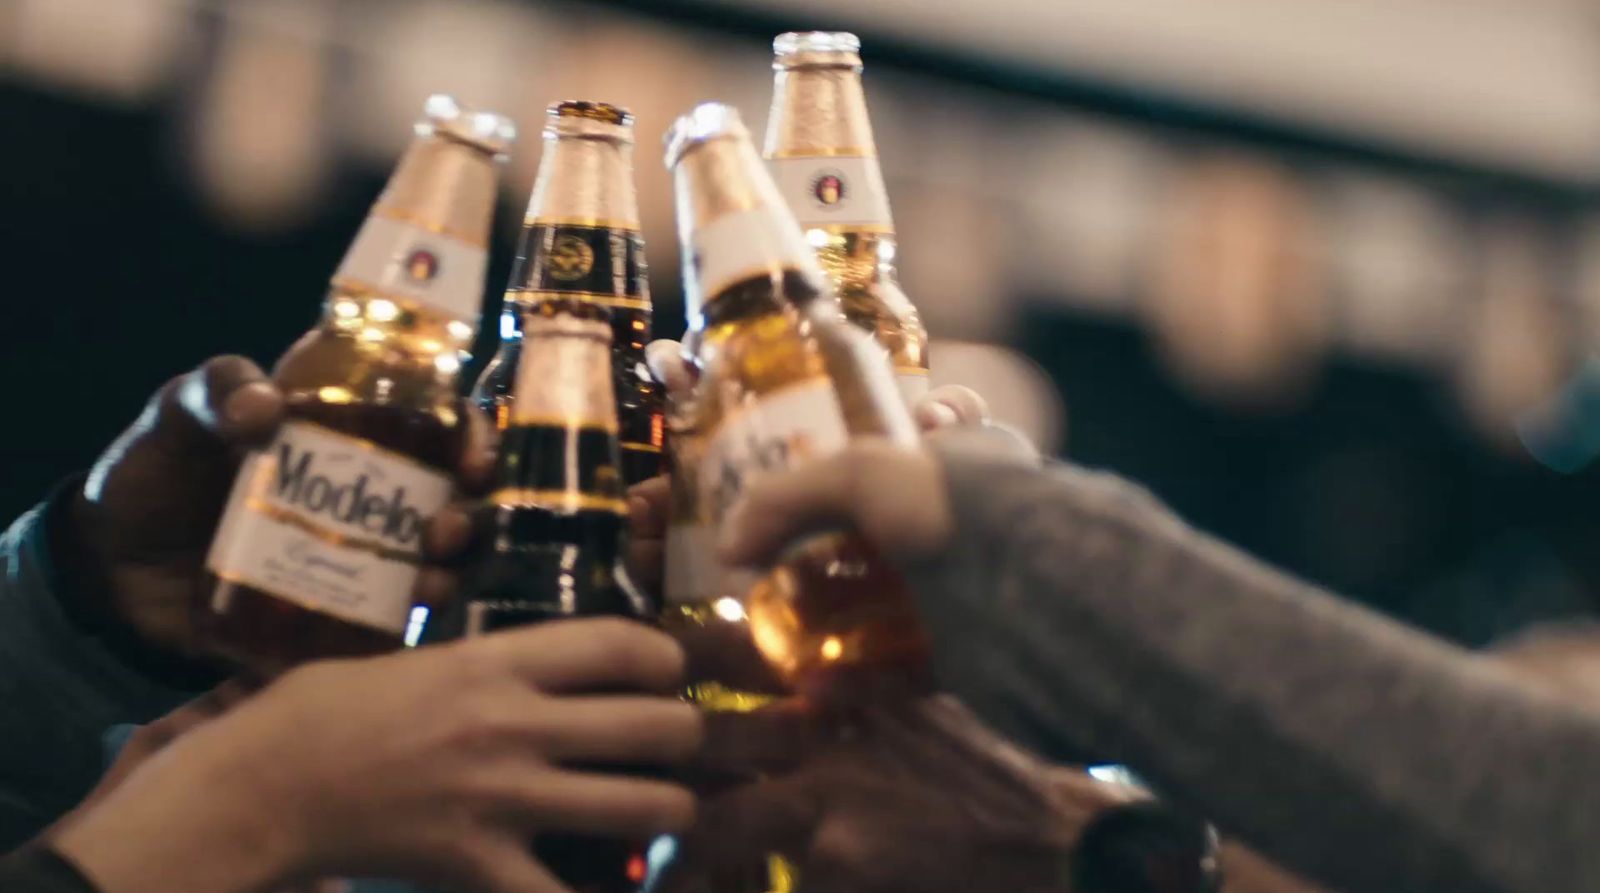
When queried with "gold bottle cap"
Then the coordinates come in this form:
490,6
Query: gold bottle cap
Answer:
821,48
703,123
585,119
595,111
491,132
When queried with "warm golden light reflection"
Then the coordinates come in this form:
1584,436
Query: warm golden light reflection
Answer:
460,330
371,334
345,308
729,609
382,310
832,648
447,363
335,394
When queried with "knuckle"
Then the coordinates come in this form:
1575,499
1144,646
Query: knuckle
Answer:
684,731
672,808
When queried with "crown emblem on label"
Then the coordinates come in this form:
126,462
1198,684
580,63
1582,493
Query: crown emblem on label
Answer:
570,258
422,265
828,188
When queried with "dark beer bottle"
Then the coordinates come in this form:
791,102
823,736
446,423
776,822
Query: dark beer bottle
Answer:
549,537
316,554
580,240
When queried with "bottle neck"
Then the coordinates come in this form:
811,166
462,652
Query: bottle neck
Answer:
585,180
820,147
560,448
736,230
420,256
580,237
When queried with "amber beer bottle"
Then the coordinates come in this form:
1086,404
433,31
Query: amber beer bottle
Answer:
580,240
317,551
820,149
549,537
782,379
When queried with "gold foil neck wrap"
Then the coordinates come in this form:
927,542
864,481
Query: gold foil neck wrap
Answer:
717,177
583,177
818,111
444,186
564,374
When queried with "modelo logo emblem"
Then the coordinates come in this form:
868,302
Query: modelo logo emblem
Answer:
828,188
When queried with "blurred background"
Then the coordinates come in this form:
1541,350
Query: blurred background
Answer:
1324,274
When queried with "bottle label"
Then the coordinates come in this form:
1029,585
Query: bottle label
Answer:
913,385
330,522
776,432
691,563
837,191
749,243
405,261
602,264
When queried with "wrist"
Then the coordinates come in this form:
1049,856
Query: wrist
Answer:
218,839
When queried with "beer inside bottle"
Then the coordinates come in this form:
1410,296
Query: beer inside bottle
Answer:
318,548
783,379
549,537
821,152
580,241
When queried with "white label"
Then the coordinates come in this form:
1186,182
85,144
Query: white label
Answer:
913,386
330,522
749,243
400,260
840,191
691,563
768,434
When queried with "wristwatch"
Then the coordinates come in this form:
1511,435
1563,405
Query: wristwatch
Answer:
1146,847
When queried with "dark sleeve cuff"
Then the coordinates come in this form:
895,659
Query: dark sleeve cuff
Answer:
39,869
84,594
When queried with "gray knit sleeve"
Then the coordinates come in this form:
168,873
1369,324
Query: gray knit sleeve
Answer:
1073,609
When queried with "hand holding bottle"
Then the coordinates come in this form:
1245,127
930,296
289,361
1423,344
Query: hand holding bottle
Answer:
142,523
436,766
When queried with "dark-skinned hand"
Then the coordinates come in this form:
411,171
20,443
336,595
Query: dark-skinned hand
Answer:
145,517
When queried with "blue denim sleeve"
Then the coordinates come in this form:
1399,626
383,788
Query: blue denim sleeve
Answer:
60,688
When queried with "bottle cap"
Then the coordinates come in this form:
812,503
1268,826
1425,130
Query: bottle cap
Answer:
604,112
706,121
815,42
491,132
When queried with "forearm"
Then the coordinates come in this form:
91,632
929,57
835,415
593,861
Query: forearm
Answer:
1073,609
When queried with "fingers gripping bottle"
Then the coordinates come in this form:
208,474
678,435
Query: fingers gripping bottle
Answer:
318,548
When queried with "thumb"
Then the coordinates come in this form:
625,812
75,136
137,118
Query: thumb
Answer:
667,364
893,495
194,422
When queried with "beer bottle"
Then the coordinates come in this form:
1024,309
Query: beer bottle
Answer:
820,149
317,551
548,540
580,239
549,536
781,379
